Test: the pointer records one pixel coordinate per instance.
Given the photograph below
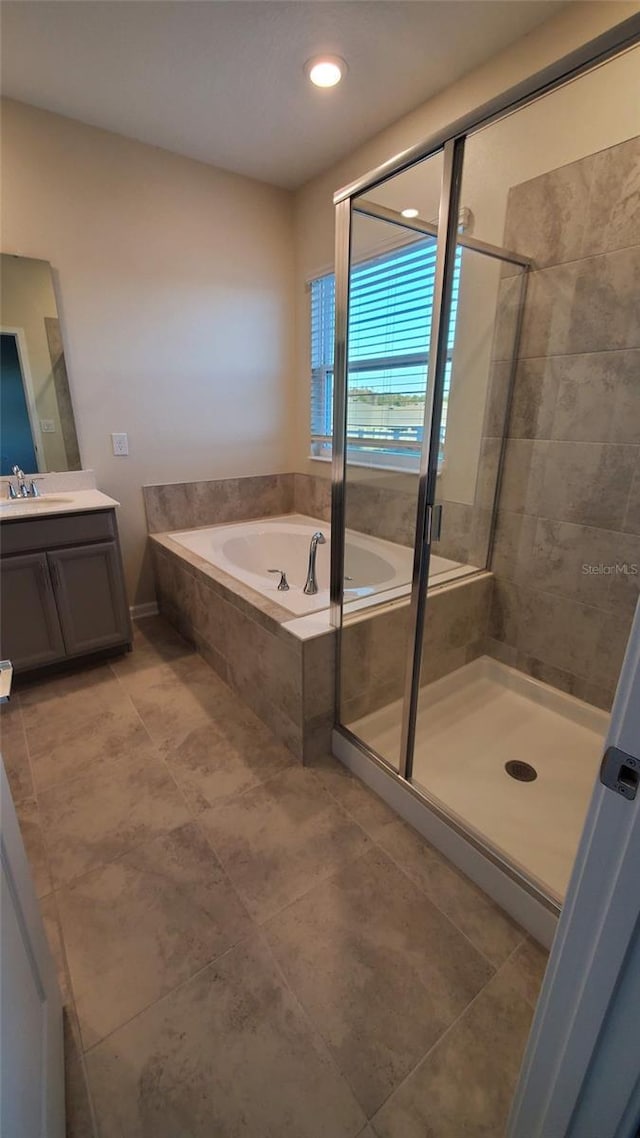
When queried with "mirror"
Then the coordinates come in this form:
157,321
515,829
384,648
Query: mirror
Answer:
37,427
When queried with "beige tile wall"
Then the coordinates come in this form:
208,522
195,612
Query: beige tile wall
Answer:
184,505
374,648
571,489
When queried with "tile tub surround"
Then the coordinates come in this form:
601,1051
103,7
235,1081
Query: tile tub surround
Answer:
570,494
374,647
286,680
381,506
185,505
276,951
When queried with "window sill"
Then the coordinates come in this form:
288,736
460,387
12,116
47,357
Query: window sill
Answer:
374,465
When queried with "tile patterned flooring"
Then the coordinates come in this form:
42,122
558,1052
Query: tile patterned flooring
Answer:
248,948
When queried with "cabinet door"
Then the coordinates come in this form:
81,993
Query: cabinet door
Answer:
30,633
90,595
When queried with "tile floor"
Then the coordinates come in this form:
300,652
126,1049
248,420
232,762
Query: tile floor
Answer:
248,948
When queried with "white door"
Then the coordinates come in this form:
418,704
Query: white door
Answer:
31,1048
581,1072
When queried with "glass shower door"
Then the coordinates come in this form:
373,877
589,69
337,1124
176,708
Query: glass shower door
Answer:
454,709
391,311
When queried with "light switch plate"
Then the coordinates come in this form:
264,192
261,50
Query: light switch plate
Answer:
120,443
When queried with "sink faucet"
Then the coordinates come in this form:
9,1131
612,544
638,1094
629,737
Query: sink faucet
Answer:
22,491
311,584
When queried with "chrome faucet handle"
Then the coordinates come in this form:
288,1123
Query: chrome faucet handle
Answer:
283,584
33,489
22,486
12,493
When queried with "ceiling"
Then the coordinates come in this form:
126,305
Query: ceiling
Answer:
223,82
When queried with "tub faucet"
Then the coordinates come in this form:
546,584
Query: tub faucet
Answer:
311,583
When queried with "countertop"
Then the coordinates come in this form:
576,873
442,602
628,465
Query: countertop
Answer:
62,502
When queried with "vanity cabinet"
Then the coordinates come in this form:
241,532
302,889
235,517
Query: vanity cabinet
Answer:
62,592
30,629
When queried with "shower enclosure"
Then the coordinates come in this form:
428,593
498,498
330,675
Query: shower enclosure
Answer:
487,419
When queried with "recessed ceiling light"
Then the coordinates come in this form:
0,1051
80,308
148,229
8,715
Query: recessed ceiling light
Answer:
325,70
410,212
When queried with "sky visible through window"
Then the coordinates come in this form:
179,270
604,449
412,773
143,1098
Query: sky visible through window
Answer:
390,311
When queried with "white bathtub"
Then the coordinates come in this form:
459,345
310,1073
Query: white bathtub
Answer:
248,550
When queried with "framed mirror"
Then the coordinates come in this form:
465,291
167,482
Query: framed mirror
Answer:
37,425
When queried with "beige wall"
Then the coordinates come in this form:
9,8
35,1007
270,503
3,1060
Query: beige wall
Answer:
559,130
177,289
174,283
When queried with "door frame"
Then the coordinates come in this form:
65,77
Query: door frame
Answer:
594,964
16,874
29,393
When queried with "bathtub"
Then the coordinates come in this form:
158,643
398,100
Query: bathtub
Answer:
374,569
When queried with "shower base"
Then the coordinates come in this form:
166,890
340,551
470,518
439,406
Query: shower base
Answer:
473,722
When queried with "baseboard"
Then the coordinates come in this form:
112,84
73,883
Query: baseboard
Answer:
149,608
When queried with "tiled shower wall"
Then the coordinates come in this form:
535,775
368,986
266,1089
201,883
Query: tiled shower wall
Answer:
567,551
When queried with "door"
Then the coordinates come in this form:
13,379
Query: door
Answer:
31,1041
16,438
29,624
581,1072
90,595
390,312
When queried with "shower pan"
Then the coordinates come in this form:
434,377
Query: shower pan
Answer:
474,375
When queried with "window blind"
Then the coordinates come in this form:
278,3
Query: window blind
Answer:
390,313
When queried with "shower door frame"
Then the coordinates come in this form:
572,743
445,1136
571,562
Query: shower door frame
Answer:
450,140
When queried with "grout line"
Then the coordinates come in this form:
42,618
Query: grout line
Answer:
494,967
315,1030
327,876
420,887
439,1040
166,995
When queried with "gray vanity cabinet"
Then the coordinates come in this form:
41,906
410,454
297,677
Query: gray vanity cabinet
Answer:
29,642
90,595
65,597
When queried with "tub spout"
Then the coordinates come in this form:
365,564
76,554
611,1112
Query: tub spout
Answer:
311,583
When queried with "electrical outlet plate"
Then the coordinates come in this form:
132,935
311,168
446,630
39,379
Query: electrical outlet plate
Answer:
120,443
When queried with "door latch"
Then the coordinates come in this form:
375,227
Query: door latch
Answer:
620,772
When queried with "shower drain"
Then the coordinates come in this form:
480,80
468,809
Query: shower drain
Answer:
523,772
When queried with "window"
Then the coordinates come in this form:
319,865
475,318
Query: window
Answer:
391,304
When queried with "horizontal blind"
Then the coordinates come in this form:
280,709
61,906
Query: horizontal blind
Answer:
323,307
390,315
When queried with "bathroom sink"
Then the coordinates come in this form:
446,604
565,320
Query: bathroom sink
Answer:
42,500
